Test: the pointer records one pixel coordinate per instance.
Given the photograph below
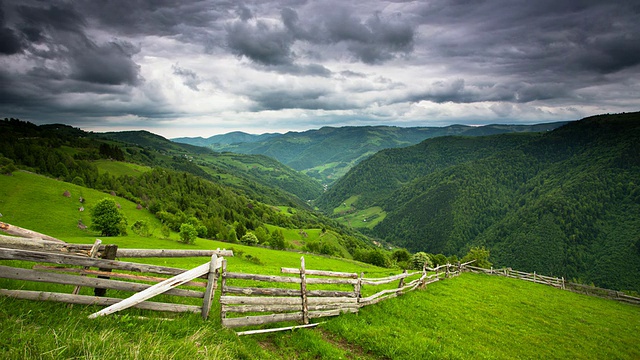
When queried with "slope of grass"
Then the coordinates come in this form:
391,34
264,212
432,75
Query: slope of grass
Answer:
119,168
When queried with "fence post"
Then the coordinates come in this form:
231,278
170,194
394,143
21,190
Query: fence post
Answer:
223,286
303,291
356,288
211,287
109,253
446,275
401,283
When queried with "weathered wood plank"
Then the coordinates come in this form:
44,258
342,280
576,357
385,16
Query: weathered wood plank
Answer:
389,279
94,300
18,231
257,277
61,259
250,300
286,292
211,286
320,273
331,281
263,331
284,308
8,272
259,320
38,244
145,253
303,292
113,274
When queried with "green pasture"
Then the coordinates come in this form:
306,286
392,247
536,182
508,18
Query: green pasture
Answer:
119,168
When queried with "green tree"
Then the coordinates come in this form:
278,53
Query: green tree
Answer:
277,239
420,259
141,227
480,255
107,218
188,233
249,239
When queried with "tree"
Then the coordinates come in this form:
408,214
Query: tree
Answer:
188,233
480,255
277,239
249,239
141,228
107,218
420,259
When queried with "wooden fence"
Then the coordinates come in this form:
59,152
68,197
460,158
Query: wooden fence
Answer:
296,301
557,282
75,265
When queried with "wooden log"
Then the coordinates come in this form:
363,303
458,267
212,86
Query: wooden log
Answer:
145,253
39,256
336,312
92,253
401,283
13,242
251,300
264,331
388,279
65,279
113,274
154,290
283,308
94,300
303,292
261,319
223,285
286,292
109,253
331,281
211,286
18,231
320,273
257,277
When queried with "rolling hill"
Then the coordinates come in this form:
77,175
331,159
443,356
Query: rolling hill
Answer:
564,202
328,153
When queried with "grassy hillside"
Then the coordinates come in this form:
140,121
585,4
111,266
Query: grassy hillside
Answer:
562,203
328,153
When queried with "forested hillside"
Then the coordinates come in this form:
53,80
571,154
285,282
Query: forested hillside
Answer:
328,153
176,188
565,202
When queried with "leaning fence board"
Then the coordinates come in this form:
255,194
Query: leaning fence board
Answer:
261,319
154,290
211,286
39,256
263,331
95,300
320,273
8,272
112,274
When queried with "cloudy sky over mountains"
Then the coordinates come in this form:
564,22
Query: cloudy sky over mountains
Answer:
199,68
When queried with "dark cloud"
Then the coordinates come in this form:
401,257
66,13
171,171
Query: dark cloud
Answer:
262,42
189,77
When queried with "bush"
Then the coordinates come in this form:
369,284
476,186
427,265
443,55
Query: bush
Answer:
249,239
188,233
141,228
420,259
107,218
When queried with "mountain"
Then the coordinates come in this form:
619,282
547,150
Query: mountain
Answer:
225,139
564,202
260,177
328,153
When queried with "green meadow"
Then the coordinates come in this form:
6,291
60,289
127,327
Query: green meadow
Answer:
466,317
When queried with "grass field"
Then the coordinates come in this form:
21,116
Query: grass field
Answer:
467,317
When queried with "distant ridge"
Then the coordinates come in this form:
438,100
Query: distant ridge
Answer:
326,154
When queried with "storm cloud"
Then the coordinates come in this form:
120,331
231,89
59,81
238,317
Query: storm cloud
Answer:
206,66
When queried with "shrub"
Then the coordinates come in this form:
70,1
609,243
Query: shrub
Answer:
188,233
141,228
249,239
420,259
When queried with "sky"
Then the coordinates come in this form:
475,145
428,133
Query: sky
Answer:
200,68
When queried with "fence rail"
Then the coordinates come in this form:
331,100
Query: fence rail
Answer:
557,282
144,279
264,305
